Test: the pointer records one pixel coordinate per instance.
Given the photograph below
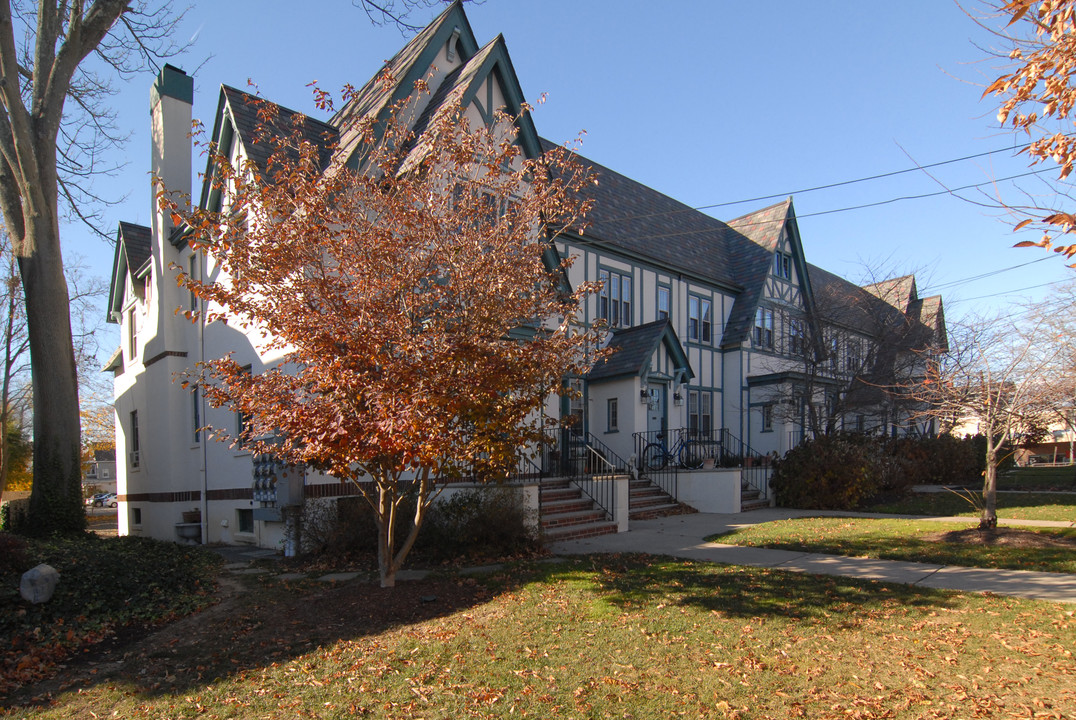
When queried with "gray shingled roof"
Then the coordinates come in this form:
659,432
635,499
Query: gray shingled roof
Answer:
761,230
633,348
640,221
137,244
258,145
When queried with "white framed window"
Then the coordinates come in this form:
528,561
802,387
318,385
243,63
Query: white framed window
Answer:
700,412
244,520
767,417
797,337
192,271
763,335
664,302
834,354
196,416
132,332
612,415
699,319
614,299
853,356
134,446
782,265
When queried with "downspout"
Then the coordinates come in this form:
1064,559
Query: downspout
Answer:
205,438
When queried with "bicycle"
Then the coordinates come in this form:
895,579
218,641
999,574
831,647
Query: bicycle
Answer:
687,453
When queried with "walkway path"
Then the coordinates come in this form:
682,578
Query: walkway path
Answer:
682,536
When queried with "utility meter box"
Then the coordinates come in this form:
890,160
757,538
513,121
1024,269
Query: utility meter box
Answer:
276,485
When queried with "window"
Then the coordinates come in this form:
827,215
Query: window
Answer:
699,412
767,417
134,444
196,416
192,268
782,265
852,361
242,420
244,520
664,296
764,328
104,473
834,354
614,299
612,412
699,320
797,337
136,516
132,333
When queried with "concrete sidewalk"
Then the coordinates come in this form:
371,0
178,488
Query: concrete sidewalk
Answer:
682,536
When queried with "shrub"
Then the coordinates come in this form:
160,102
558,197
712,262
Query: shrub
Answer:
834,472
477,522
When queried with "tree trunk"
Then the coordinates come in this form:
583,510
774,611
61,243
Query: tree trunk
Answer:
989,519
56,499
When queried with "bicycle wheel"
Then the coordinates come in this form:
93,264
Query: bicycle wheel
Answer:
654,456
692,455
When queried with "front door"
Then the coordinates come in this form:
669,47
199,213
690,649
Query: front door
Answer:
657,395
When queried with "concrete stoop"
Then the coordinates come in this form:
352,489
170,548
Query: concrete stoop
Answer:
566,514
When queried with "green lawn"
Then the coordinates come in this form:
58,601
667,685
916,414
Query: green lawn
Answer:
605,637
902,540
1018,506
1038,478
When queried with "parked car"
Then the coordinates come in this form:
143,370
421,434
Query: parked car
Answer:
102,500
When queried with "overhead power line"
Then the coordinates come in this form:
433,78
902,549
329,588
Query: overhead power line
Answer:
802,191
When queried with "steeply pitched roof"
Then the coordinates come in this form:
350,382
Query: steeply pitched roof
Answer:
397,77
632,349
840,302
761,231
256,136
640,221
134,245
899,292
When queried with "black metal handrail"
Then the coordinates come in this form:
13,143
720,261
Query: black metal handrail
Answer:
587,462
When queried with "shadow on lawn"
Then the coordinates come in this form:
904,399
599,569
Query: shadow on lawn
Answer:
262,622
635,581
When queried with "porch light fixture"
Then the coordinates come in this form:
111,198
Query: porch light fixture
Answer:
678,399
644,396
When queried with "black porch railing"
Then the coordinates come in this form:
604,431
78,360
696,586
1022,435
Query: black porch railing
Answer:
660,460
587,462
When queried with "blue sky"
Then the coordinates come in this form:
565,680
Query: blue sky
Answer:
708,102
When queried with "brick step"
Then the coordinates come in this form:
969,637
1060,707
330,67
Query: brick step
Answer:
566,506
647,493
576,532
572,518
650,501
755,504
560,494
666,510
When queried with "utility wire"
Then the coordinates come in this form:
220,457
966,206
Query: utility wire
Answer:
948,191
1013,292
973,278
917,168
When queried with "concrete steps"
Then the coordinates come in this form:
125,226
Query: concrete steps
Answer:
751,500
647,501
567,514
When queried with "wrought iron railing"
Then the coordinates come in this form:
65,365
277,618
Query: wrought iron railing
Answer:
588,463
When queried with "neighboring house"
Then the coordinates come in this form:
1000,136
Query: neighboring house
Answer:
100,472
711,321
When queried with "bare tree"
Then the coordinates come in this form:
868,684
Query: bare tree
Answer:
852,344
53,123
997,378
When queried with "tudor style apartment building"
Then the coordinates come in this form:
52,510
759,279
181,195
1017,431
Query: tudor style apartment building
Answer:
716,325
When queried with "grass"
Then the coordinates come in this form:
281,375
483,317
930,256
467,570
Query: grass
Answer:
1038,478
1017,506
622,637
902,540
106,586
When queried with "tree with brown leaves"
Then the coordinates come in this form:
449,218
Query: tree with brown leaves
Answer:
419,306
1037,98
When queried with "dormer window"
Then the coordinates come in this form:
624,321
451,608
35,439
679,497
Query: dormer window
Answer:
782,265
